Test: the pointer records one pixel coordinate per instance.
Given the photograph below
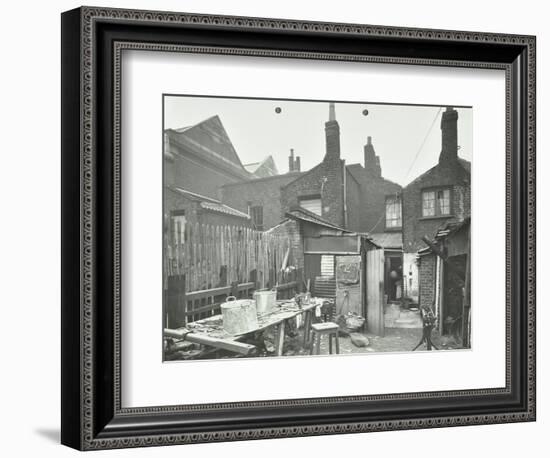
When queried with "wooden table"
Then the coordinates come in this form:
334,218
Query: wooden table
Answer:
212,327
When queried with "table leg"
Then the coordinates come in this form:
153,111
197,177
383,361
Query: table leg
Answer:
307,328
280,339
337,339
318,345
330,344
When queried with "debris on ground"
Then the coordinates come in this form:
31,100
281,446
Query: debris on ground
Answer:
350,322
359,340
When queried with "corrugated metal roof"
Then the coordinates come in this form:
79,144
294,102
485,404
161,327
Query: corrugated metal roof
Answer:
388,239
222,208
208,203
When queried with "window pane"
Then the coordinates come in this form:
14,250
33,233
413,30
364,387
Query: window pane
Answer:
393,212
258,217
428,203
444,201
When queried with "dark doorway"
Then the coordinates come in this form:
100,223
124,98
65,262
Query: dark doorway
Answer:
393,276
453,294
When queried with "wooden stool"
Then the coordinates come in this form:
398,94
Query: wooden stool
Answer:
321,329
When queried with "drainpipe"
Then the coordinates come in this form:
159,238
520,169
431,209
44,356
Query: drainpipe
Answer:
344,184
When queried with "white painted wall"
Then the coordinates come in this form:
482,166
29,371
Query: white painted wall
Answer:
410,276
29,253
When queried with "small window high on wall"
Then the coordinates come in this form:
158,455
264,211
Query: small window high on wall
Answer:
257,214
312,204
393,212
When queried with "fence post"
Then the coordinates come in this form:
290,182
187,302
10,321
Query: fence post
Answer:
175,301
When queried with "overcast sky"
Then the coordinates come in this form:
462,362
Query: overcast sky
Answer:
400,133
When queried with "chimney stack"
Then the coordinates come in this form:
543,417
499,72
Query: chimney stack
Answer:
293,162
372,161
332,133
449,142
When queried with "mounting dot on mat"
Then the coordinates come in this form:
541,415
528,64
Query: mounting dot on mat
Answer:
365,112
278,110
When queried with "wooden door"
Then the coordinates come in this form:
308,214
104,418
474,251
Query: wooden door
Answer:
375,291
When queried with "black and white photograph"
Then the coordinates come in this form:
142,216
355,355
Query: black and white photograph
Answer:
299,228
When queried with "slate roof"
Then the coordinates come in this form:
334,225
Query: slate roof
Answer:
466,165
209,138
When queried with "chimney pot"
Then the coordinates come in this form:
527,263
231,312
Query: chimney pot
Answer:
297,165
331,112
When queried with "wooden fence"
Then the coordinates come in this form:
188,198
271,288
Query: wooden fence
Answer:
206,263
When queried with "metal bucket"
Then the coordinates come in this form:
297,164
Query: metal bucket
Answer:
239,316
266,301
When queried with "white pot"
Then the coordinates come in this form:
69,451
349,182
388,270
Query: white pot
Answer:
266,301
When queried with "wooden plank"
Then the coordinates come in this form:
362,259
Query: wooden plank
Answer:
230,345
280,339
375,291
217,291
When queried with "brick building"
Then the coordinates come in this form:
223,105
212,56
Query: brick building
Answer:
201,158
260,197
329,190
437,197
380,197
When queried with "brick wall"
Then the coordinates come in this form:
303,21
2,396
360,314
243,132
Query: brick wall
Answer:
194,176
354,201
265,192
372,204
426,277
410,277
325,180
414,225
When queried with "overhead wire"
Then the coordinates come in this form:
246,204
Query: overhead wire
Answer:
413,161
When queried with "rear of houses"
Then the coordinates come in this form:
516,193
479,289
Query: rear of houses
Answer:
337,230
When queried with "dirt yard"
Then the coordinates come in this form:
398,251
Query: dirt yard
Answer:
395,340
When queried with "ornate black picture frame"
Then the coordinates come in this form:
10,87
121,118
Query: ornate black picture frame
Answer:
92,42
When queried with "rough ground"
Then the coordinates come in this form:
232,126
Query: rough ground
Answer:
395,340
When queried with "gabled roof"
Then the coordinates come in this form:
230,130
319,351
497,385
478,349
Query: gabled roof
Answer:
465,164
358,172
462,162
208,203
209,138
262,169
